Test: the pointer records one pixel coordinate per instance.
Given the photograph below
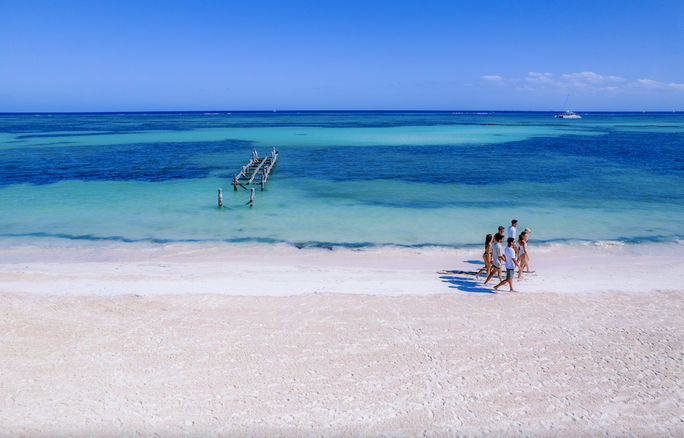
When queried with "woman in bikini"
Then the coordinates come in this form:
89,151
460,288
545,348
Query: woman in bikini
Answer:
522,253
487,257
527,253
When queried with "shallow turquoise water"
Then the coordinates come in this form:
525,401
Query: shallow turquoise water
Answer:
351,179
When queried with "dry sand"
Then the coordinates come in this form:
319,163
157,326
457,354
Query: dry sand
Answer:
453,363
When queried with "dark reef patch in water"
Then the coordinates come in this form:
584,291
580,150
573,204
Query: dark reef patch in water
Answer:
537,160
128,162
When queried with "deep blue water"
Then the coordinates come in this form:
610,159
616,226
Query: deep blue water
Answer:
605,160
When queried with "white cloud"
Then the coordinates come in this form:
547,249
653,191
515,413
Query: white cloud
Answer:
540,78
650,84
587,81
495,78
587,78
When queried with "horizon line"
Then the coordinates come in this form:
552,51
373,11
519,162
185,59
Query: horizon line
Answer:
272,111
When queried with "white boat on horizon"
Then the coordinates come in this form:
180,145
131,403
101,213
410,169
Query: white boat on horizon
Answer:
568,115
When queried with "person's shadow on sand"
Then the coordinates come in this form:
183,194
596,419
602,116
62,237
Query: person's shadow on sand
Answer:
475,262
465,284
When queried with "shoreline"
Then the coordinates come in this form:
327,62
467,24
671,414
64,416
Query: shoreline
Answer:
282,270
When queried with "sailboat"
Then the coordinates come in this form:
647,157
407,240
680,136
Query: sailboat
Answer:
567,114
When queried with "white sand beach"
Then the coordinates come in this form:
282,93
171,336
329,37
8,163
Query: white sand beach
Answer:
194,341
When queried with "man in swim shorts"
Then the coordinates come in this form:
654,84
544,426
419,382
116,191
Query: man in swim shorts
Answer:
511,263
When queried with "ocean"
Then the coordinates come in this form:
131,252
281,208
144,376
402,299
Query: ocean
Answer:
343,179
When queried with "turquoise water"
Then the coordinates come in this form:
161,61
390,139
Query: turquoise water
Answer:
352,179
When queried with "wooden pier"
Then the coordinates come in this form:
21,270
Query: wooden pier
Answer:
255,172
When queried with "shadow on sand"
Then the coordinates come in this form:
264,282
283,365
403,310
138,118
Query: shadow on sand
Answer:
466,284
475,262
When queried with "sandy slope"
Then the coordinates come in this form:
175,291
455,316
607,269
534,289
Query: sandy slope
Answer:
157,340
323,364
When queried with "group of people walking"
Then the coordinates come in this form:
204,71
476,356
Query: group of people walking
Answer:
496,257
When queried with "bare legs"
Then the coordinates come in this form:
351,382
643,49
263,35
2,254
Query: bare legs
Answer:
527,264
486,267
491,273
509,281
523,262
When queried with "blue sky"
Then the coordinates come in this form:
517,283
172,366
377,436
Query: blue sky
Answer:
289,55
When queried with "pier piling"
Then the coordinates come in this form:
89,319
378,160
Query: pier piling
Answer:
251,198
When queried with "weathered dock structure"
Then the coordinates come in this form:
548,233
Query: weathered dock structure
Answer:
255,172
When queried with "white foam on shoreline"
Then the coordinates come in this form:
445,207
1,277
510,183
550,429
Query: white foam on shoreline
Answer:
69,250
